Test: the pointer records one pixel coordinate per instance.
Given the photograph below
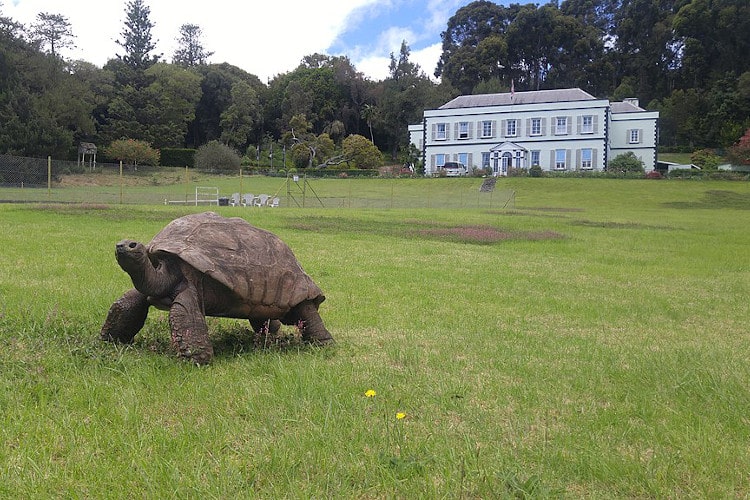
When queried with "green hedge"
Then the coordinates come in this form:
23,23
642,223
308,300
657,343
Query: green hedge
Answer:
177,157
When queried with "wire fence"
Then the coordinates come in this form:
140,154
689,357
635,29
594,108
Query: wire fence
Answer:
38,180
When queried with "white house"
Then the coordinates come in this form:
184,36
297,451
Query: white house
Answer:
563,129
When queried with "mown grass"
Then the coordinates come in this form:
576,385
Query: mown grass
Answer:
591,342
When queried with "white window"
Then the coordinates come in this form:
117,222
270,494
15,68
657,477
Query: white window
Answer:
440,132
463,130
510,128
634,137
536,126
587,159
587,125
561,127
487,128
535,155
560,159
485,160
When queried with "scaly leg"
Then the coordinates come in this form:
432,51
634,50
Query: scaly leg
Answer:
307,317
189,329
126,317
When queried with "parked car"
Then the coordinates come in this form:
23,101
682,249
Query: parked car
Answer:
454,169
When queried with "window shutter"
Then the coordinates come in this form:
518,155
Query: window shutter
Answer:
578,159
596,124
469,132
528,127
627,136
544,126
552,159
567,158
479,128
569,123
432,161
503,125
455,132
640,136
493,132
434,131
579,119
469,160
593,158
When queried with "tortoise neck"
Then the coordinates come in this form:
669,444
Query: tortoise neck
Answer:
153,279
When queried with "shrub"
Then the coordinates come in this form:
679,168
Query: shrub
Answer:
739,153
132,152
362,152
535,171
217,156
706,159
625,162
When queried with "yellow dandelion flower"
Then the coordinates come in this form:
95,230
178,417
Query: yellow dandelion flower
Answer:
400,415
370,393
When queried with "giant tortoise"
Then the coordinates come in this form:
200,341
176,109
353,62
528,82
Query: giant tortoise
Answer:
207,265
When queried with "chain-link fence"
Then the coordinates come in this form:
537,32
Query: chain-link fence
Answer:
38,180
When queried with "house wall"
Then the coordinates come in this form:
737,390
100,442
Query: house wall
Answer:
644,145
479,136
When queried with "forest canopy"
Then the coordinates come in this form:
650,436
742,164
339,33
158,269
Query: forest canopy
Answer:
685,58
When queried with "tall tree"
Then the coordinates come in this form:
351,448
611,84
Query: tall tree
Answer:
239,118
136,37
645,45
404,96
190,51
715,38
474,47
52,31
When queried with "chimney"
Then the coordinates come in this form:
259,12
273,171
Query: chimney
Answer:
632,100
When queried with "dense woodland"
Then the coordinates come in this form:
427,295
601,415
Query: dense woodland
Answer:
686,58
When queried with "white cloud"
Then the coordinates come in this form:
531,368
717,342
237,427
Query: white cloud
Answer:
263,38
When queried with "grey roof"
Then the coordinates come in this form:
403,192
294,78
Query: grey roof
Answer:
531,97
625,107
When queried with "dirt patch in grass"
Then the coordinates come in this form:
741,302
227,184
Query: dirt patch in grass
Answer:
616,225
486,234
716,198
415,228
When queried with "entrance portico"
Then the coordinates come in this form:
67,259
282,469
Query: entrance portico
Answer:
507,155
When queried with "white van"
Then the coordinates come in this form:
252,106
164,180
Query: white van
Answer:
454,169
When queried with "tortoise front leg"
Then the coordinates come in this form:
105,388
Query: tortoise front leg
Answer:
306,316
126,317
189,329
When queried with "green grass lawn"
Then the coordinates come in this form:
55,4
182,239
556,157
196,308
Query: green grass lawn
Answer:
590,342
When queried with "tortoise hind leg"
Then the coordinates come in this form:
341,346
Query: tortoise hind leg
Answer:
125,317
189,329
306,316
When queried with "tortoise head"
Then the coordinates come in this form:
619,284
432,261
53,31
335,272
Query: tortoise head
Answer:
131,255
151,276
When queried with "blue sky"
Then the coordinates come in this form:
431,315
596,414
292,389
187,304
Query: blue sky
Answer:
265,38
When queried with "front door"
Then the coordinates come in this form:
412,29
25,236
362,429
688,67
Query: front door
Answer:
507,158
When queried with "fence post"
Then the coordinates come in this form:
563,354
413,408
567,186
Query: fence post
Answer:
49,177
120,182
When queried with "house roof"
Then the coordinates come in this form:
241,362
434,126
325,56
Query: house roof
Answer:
625,107
506,99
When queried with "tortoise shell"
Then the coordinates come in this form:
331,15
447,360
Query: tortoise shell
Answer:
255,264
